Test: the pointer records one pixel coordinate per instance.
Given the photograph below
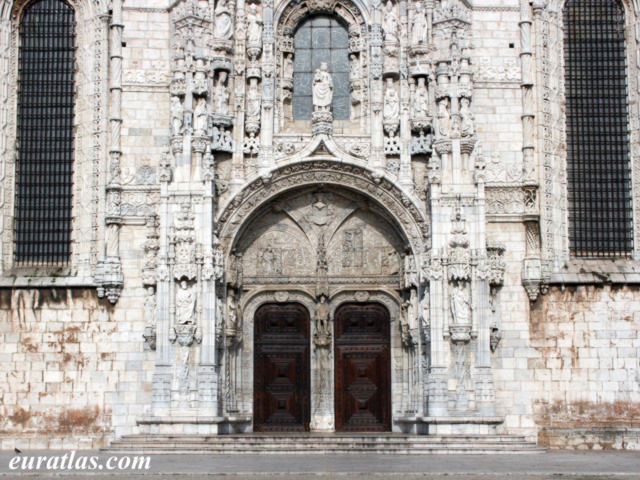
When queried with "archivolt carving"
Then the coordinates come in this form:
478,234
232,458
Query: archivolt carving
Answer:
372,185
256,299
293,12
388,299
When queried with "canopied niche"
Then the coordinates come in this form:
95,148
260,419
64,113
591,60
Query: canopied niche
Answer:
309,32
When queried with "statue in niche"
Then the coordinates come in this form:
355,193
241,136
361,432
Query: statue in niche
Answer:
221,94
391,107
200,116
253,99
233,318
185,303
322,88
354,71
460,311
322,320
287,70
176,116
444,118
254,26
150,305
421,99
419,27
390,23
405,330
466,122
223,29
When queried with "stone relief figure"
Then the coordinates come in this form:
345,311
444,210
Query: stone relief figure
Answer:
287,69
176,116
233,321
390,23
419,27
223,29
460,310
444,118
421,99
200,116
221,95
391,107
322,318
185,303
322,88
354,71
253,99
466,122
254,26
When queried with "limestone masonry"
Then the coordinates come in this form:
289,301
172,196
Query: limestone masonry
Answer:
263,242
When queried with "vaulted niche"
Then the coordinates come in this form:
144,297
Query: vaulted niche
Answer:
321,39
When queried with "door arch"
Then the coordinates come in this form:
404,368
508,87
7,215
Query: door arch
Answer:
362,367
281,368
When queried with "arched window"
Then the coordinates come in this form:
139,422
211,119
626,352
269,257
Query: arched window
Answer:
44,165
598,164
321,39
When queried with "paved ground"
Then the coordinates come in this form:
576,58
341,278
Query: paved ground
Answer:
549,466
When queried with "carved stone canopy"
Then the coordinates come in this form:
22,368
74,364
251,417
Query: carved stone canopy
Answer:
384,197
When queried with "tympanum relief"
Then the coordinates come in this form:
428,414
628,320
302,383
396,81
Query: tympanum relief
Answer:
283,243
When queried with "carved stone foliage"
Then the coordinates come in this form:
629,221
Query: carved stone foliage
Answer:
459,268
505,200
297,236
388,198
183,245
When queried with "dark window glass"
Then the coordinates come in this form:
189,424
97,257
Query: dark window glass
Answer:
45,134
321,39
600,223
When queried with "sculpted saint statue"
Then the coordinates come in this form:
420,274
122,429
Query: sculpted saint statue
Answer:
254,28
288,66
221,95
322,316
390,23
232,312
176,116
391,108
200,115
322,88
185,303
223,25
419,27
253,99
421,99
354,72
460,306
444,118
466,123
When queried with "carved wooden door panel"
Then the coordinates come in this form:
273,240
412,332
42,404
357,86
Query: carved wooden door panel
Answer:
362,368
281,368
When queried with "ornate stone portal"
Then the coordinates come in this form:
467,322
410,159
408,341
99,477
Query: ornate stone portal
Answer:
332,219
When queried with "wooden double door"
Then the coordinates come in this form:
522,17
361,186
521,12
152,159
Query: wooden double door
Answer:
282,368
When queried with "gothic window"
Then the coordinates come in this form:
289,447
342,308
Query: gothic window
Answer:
321,39
44,165
598,164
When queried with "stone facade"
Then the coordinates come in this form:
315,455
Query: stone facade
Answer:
200,196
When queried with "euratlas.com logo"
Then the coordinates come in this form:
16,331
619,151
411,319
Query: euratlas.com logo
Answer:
75,461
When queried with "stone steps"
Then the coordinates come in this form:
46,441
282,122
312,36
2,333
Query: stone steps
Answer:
322,444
